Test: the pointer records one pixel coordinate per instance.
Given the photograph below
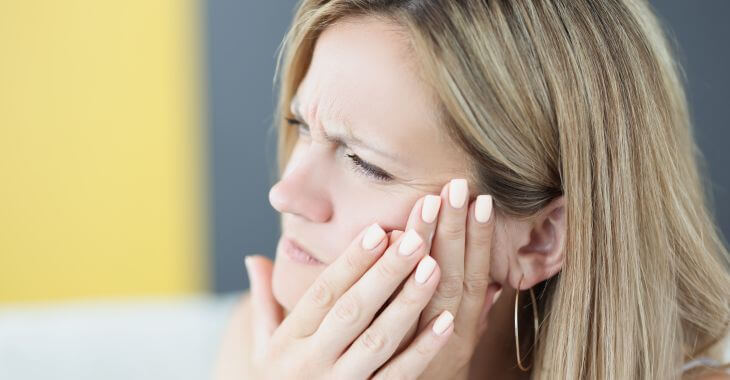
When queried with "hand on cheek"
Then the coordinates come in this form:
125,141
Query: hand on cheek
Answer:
460,240
461,245
386,306
343,327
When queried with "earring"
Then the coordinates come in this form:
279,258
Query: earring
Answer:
534,313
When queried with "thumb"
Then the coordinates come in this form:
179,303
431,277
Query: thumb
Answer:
267,313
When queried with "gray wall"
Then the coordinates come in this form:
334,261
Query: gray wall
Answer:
701,31
242,38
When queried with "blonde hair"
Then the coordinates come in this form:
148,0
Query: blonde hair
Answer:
583,99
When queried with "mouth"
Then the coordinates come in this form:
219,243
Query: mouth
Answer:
298,254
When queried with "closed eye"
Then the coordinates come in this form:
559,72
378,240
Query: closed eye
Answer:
359,165
369,169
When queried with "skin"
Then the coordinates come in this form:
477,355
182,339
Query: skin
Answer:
326,202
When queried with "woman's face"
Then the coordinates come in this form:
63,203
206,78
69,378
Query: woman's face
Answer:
369,147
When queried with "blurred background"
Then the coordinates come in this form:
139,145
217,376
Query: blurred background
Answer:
136,155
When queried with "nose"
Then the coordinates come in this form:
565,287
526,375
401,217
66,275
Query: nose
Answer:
302,189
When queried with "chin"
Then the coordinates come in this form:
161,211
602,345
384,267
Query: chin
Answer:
290,279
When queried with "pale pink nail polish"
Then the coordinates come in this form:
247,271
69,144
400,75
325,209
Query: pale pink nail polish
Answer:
373,236
443,322
430,208
483,208
496,296
409,243
457,192
425,269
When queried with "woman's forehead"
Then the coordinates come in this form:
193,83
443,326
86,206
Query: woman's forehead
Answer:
359,71
360,82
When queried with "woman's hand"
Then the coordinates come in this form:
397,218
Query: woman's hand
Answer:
337,330
462,248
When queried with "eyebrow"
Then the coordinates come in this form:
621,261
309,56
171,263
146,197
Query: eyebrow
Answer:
346,138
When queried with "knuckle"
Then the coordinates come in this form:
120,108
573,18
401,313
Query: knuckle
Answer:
410,299
373,341
347,309
322,294
451,230
450,287
388,269
352,262
475,284
424,349
481,239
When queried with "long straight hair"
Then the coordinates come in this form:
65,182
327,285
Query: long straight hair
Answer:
582,99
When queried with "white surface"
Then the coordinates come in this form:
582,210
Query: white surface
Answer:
154,338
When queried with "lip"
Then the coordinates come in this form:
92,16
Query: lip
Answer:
298,254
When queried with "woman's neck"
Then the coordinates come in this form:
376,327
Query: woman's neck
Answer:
494,356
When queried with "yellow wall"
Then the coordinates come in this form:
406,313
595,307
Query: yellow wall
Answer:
100,149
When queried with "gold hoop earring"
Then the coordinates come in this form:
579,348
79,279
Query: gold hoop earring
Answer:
534,313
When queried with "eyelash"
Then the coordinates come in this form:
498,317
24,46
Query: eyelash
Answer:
359,164
368,169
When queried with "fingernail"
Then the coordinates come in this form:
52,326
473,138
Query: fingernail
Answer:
496,296
424,269
373,236
457,192
483,208
430,208
247,263
443,322
409,243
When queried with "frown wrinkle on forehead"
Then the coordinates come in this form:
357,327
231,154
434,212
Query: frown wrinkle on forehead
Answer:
341,129
362,90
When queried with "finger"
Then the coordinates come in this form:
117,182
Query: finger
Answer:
357,307
411,363
423,217
448,249
394,235
479,229
319,298
380,340
422,223
267,313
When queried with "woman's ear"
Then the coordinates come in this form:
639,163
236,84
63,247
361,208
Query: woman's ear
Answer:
542,256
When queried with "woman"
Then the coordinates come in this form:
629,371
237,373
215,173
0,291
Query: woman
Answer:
538,156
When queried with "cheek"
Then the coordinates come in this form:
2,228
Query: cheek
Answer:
364,208
355,207
389,210
501,256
